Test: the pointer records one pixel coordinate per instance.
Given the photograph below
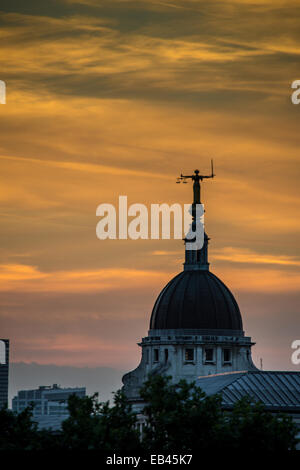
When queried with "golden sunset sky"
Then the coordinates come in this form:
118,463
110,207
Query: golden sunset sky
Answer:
118,97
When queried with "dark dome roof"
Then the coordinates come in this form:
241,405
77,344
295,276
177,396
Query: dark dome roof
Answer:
196,299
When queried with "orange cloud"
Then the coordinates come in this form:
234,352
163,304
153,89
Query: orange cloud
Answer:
235,255
29,279
261,280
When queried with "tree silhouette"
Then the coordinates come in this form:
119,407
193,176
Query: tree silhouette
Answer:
179,418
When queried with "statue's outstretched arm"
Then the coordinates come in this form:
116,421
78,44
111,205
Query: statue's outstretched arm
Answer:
188,176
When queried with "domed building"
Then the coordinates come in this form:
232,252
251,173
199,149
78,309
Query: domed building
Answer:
196,326
196,333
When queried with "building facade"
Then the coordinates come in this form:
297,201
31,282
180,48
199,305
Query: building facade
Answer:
4,369
50,403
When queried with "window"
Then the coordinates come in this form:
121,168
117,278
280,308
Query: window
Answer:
147,356
2,352
166,355
155,355
209,355
227,355
189,354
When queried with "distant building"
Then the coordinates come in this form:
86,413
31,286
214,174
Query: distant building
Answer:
50,403
4,365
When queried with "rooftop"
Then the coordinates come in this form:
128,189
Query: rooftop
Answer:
277,390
